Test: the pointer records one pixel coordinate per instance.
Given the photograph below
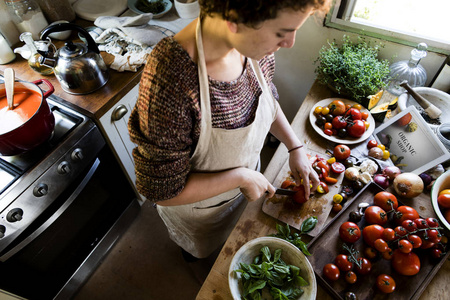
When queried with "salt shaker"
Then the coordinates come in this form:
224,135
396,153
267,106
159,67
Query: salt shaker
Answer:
6,53
27,16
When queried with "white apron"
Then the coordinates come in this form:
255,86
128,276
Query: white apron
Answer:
201,227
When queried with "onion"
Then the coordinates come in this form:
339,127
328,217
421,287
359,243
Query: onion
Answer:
351,173
391,172
381,180
408,185
426,179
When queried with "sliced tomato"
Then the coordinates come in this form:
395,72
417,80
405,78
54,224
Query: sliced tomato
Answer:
337,167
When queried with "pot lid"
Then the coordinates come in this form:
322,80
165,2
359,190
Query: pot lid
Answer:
71,50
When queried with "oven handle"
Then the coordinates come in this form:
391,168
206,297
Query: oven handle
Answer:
56,215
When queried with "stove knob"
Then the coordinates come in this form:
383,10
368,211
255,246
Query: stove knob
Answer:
40,190
77,154
64,168
14,215
2,231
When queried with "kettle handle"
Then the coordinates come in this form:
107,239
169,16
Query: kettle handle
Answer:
70,26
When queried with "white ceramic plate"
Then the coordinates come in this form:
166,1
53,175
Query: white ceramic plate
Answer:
441,183
290,254
335,139
132,6
91,9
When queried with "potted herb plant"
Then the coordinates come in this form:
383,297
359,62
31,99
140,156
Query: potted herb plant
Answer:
352,69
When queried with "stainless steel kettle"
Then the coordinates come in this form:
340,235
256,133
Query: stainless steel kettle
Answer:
79,68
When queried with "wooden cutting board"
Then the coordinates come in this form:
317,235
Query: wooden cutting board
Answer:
284,209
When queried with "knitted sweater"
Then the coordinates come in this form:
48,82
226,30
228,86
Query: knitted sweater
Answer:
165,122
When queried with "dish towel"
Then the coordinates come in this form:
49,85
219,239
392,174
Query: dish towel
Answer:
129,39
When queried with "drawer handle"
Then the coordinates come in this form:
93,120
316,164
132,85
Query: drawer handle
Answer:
119,112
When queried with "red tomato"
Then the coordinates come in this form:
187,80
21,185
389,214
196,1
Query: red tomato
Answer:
375,215
299,196
444,200
405,263
323,188
349,232
355,114
328,131
331,272
421,223
372,144
337,107
432,222
388,254
388,234
287,184
415,240
364,115
435,253
400,231
409,225
385,283
336,207
405,213
405,246
342,262
370,252
351,277
366,266
356,128
426,244
381,245
385,200
434,236
337,167
341,152
330,180
323,165
339,122
371,233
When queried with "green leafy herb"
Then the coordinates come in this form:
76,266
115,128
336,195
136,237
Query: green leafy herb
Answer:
352,68
151,6
284,232
283,281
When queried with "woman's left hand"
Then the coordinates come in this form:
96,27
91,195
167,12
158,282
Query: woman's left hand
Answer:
302,168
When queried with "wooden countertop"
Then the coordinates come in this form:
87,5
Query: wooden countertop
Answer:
94,104
255,223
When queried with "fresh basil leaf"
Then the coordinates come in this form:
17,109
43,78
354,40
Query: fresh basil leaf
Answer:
284,231
266,253
302,246
256,285
308,224
300,281
277,255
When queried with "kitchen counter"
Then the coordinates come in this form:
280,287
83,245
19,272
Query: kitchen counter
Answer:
94,104
255,223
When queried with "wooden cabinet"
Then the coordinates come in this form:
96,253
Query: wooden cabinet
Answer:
114,125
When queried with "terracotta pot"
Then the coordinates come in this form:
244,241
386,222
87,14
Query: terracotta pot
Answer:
37,120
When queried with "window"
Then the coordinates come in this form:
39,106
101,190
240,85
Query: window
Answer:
404,21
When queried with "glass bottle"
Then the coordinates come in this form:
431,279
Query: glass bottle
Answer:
35,57
27,16
57,10
409,70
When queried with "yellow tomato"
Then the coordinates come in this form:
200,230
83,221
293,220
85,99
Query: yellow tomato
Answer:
318,109
381,146
386,154
325,111
367,124
357,106
337,198
446,191
331,160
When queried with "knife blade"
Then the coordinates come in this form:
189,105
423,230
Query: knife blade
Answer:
281,191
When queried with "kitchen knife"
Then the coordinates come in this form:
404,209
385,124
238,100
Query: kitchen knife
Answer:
280,191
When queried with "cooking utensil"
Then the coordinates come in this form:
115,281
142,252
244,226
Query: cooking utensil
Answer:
9,87
287,192
431,110
35,129
79,68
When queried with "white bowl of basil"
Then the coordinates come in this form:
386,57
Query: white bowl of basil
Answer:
268,266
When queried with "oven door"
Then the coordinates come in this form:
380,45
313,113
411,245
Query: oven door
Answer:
54,256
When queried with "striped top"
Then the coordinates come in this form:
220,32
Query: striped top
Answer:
165,123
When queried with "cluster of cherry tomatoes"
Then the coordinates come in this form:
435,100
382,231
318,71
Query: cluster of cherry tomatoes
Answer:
444,203
342,120
391,232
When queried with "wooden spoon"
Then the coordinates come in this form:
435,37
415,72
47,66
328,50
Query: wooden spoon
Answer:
9,87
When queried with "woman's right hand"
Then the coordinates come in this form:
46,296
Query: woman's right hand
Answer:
255,185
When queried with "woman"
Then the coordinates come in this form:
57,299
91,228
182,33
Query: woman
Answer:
205,106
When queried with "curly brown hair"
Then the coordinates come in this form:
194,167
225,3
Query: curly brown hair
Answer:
254,12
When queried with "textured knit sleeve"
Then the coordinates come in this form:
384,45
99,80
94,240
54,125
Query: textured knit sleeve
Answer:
163,120
267,65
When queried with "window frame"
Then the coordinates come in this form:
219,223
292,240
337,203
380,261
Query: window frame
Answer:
339,18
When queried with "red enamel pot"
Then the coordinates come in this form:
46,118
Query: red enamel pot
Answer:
30,123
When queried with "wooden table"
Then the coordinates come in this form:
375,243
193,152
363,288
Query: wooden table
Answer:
255,223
